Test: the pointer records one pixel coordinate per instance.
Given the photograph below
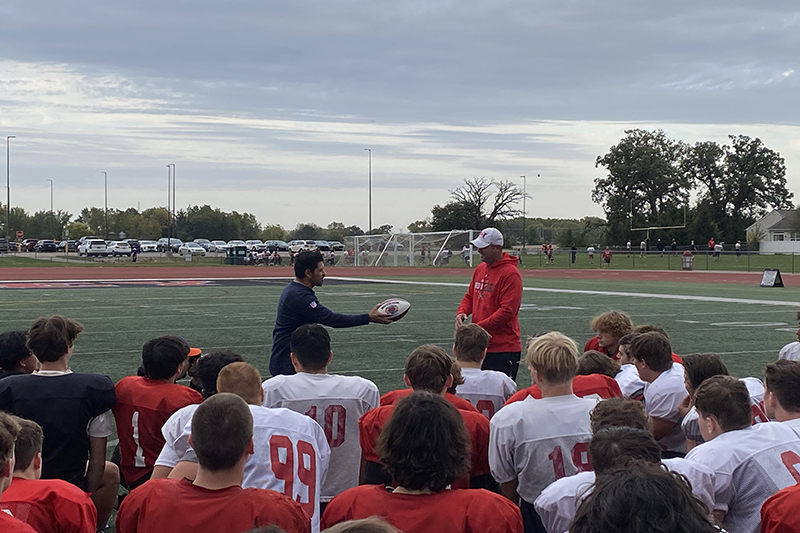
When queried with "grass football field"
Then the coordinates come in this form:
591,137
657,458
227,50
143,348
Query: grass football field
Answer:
747,325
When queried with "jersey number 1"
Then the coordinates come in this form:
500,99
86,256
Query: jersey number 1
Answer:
138,459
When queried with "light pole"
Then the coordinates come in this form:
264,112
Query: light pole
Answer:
51,209
105,175
369,229
174,219
169,205
8,190
524,210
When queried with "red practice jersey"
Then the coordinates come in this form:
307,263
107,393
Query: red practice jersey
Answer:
392,397
178,506
445,511
371,424
779,513
582,386
594,344
143,406
50,506
9,524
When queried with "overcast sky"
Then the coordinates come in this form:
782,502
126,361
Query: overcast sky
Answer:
266,106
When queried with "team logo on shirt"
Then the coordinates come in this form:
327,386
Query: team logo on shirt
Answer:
313,305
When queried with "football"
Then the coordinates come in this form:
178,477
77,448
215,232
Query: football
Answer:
394,308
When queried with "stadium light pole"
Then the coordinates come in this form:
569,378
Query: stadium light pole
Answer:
8,190
169,205
174,218
369,228
51,209
524,210
105,180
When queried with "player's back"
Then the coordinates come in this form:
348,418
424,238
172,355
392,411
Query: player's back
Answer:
590,385
143,407
487,390
50,505
539,441
750,465
336,403
392,397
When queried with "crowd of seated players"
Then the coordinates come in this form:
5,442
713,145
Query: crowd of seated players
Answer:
623,436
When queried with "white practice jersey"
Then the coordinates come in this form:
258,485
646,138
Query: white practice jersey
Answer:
558,503
691,425
291,456
661,400
539,441
750,465
176,442
336,403
487,390
791,351
794,424
629,381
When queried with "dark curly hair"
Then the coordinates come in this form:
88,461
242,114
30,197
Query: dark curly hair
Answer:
425,444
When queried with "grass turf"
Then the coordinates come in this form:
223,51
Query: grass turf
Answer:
745,326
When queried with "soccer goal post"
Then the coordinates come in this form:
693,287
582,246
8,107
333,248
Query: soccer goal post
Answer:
436,248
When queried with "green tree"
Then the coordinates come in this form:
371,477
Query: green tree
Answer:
273,232
646,181
78,229
306,232
421,226
336,231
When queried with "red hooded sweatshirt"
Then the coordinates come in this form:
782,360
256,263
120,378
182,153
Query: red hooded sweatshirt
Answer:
493,300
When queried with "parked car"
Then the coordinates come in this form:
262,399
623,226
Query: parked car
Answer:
255,245
336,246
45,245
276,246
119,248
236,243
299,245
205,243
148,246
93,247
323,246
217,246
28,245
173,245
67,246
87,238
134,244
191,248
3,245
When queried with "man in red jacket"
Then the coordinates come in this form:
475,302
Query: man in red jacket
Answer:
493,300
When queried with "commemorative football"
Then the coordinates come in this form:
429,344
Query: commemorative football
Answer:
394,308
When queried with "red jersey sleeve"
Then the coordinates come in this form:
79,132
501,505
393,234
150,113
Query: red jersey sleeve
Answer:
460,403
520,395
369,429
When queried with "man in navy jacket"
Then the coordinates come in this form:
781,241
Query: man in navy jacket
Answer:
298,305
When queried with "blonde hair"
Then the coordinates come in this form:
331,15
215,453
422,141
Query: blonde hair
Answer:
554,356
241,379
373,524
615,322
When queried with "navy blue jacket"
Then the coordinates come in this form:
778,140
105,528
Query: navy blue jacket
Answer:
298,305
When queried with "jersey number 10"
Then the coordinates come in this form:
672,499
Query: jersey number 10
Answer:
334,432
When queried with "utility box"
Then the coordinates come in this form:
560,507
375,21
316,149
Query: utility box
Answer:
235,255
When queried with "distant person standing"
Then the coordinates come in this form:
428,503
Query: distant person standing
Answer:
692,246
574,252
607,257
738,247
660,246
717,251
643,248
298,305
590,251
711,243
493,300
628,247
674,246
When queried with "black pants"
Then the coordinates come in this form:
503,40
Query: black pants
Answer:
531,522
506,362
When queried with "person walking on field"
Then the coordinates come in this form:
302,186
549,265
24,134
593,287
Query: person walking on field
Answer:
493,300
607,257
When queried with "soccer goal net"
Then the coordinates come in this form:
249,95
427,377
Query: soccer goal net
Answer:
439,248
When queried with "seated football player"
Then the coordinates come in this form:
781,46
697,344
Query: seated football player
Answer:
222,439
610,327
534,442
594,362
47,505
644,328
74,410
779,513
628,378
175,440
335,402
699,367
9,429
782,397
558,502
145,403
487,390
15,357
428,368
290,454
750,462
641,498
593,385
426,448
664,390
